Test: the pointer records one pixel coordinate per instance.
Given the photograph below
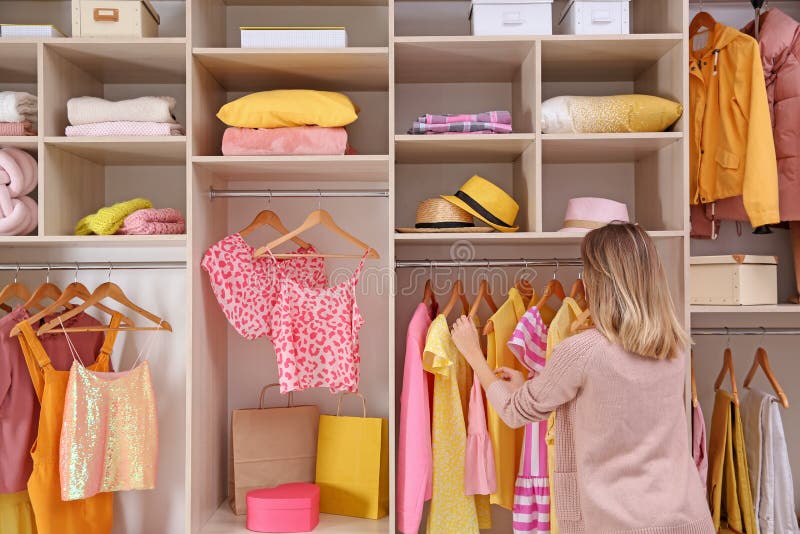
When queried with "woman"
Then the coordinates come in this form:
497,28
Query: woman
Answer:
622,445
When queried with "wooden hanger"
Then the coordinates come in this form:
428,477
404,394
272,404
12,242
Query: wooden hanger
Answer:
456,295
762,360
314,218
702,20
428,295
44,291
694,383
270,218
14,290
578,292
524,288
727,366
553,288
64,300
106,290
483,296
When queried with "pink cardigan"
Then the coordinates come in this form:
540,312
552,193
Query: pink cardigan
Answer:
622,457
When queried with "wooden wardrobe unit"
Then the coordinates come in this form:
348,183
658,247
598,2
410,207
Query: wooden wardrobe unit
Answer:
406,57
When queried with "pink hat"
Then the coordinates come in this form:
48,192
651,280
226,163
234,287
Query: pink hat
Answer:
588,213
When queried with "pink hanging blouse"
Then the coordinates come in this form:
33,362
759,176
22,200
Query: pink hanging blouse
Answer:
315,332
247,288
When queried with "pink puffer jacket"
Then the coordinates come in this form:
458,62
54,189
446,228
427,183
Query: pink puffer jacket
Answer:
779,40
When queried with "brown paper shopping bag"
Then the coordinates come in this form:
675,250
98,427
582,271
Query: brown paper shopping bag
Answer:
271,446
353,464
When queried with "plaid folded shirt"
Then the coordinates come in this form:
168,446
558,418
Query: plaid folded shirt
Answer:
459,127
499,117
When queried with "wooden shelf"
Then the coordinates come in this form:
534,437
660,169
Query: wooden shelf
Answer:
153,60
598,58
161,150
94,240
25,142
17,62
511,238
297,168
772,308
333,69
604,148
461,148
224,521
460,59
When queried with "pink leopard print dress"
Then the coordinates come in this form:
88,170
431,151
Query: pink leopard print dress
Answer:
315,333
247,288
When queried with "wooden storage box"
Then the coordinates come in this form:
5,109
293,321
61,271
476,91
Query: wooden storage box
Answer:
595,17
511,17
114,18
733,280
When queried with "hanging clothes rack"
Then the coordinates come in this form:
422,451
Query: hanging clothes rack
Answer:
297,193
92,266
554,262
750,331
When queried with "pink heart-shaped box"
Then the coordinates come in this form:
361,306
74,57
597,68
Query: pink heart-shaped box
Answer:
290,507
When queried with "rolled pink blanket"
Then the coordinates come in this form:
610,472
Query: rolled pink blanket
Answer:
297,141
154,221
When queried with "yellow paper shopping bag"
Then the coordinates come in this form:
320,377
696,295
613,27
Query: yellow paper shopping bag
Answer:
353,464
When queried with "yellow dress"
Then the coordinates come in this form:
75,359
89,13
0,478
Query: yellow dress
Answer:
506,441
558,332
16,513
451,511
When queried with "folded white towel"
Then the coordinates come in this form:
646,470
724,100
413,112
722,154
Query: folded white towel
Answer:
89,110
17,107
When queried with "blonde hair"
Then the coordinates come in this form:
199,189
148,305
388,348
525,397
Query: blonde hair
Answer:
628,294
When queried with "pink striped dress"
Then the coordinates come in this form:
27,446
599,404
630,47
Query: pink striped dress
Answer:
532,489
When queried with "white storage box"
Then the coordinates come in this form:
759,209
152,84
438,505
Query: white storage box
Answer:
733,280
511,17
114,18
593,17
29,30
310,37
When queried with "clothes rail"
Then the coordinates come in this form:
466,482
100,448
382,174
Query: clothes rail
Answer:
297,193
757,331
92,266
554,262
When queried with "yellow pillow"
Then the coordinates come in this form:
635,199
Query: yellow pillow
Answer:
609,114
289,107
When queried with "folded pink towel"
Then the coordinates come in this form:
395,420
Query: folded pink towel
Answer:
124,128
297,141
16,128
154,221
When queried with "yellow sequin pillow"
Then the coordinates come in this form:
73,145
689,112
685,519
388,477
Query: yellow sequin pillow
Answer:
289,107
608,114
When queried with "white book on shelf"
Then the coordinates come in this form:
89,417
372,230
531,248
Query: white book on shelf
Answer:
294,37
29,30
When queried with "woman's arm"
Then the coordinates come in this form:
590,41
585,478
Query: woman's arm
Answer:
535,399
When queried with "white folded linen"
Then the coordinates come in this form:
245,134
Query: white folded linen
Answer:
18,107
90,110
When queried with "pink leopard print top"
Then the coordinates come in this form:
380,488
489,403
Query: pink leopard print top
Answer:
247,288
315,334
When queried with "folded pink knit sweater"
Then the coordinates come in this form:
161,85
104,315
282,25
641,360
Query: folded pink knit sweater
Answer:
622,458
154,221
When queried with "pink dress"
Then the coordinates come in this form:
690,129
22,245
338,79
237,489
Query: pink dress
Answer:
414,454
479,473
247,288
315,332
531,511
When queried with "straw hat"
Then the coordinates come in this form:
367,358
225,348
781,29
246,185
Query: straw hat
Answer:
439,216
588,213
487,202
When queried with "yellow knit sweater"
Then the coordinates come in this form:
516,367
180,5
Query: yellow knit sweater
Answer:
108,220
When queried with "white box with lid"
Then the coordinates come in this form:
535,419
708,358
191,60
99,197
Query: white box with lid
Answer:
594,17
114,18
294,37
733,280
511,17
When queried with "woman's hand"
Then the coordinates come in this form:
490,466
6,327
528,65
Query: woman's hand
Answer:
514,378
465,337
